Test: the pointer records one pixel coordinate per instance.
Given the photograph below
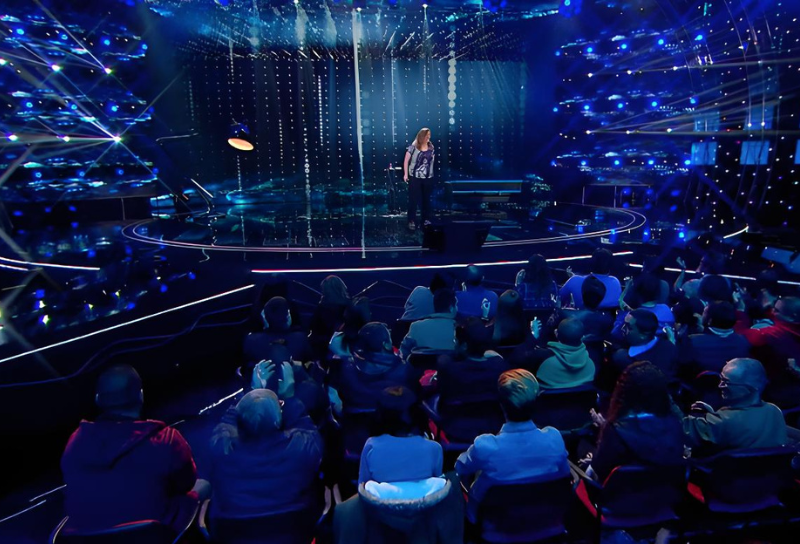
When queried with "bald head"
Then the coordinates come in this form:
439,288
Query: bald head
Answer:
787,309
119,389
746,371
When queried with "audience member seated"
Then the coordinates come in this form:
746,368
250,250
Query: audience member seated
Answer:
373,368
717,345
419,304
437,331
277,326
403,495
713,287
397,450
520,451
469,376
470,298
510,325
597,324
328,316
711,263
647,290
641,427
356,315
536,288
600,268
120,468
745,421
778,347
565,362
639,330
268,461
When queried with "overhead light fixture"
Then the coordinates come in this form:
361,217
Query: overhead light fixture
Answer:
239,137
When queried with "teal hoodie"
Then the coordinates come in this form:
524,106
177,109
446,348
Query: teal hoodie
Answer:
569,366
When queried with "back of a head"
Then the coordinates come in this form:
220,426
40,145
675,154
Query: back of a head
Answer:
647,288
570,332
601,261
474,276
713,287
537,273
787,309
509,304
593,292
258,414
437,282
276,314
119,389
475,335
334,291
397,412
721,315
517,390
768,281
641,388
374,337
748,371
356,315
646,322
443,300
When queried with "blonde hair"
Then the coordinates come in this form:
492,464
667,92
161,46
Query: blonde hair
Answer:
420,135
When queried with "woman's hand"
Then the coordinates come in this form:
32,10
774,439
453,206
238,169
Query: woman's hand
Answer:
405,178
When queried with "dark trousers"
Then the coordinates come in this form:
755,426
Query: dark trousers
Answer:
419,194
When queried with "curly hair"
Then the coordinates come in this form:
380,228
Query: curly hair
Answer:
641,388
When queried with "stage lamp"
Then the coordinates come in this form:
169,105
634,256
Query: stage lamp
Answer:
64,138
55,67
239,137
3,62
109,71
12,137
116,139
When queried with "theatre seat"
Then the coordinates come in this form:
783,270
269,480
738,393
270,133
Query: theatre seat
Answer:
135,532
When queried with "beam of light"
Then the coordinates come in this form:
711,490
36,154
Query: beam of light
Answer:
17,268
737,233
420,266
28,509
67,32
127,323
46,493
220,401
50,265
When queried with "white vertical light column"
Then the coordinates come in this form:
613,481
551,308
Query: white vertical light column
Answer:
357,30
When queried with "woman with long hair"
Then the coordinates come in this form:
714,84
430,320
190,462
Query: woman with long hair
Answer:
418,173
329,314
536,287
510,325
641,427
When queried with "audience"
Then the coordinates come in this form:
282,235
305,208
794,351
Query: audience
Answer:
520,451
717,345
536,288
329,313
420,302
600,268
745,421
397,450
565,362
373,368
640,330
268,460
356,315
470,375
121,468
436,332
597,324
641,427
778,348
470,300
277,320
510,325
647,291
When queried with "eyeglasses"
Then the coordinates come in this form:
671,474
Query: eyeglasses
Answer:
725,382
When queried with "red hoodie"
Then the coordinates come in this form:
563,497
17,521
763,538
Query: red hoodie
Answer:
124,470
773,346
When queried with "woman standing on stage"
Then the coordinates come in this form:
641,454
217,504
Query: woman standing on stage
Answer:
418,173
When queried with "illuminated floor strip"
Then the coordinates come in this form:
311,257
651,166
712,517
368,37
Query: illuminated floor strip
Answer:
418,267
120,325
50,265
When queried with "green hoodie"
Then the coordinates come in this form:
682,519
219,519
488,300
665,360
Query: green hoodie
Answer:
569,366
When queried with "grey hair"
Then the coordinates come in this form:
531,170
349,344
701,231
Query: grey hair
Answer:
258,413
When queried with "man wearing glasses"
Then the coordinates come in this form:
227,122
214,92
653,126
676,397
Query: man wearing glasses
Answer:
745,421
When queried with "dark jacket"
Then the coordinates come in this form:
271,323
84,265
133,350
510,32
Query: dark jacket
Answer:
639,440
708,351
122,470
360,381
663,354
275,473
296,341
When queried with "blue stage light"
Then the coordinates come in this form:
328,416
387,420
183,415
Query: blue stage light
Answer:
72,208
620,105
120,171
583,163
590,49
91,253
192,276
624,46
81,173
17,213
698,38
555,109
587,107
616,163
28,104
692,101
681,235
74,224
115,108
39,294
48,209
37,175
654,104
144,46
155,170
163,288
64,37
21,31
558,52
687,162
106,42
661,41
73,107
651,162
